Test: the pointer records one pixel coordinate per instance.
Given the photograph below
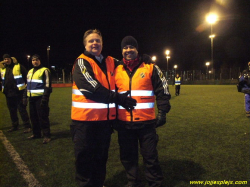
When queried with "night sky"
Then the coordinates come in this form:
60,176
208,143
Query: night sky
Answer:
28,27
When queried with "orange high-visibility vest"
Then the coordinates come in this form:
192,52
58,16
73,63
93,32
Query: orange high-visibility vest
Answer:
141,89
84,109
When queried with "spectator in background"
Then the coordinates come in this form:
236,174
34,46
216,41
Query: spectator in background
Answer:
244,86
38,92
13,78
138,127
177,84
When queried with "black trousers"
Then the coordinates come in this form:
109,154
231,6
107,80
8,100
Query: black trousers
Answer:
129,141
39,117
16,104
92,140
177,89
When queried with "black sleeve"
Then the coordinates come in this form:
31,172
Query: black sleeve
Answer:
161,90
25,93
47,83
24,73
90,87
147,59
117,62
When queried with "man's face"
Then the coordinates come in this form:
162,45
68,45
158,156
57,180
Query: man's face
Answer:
129,52
7,61
94,44
36,62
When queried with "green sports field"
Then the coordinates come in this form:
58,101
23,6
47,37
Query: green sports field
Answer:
206,138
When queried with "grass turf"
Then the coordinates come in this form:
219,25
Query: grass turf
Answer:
204,139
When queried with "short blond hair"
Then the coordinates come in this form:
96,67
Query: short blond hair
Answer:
88,32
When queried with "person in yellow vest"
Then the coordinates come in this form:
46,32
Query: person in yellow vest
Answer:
13,78
137,127
1,65
38,91
177,84
93,110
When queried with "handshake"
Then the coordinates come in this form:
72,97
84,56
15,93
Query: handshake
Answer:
126,102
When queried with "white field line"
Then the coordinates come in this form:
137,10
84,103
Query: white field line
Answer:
24,170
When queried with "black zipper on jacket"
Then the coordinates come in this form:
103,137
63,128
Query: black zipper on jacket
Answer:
106,74
130,83
131,74
108,103
99,64
30,82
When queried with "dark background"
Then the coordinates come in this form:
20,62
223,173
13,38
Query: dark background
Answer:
29,26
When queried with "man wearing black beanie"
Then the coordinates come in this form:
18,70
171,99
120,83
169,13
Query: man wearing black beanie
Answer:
144,81
38,91
129,40
13,78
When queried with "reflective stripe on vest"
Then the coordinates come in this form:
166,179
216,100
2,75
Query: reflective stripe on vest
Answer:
92,105
84,109
3,77
177,80
141,106
141,90
17,76
78,92
140,93
35,84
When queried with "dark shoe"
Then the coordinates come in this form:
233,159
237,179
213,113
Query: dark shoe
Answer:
12,129
46,140
26,125
33,137
27,130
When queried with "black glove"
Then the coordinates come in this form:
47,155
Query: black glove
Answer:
25,101
44,102
161,118
126,102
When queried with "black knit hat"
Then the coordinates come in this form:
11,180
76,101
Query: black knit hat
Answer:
6,56
129,40
35,56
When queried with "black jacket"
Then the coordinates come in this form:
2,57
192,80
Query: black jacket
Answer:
97,92
47,84
161,91
10,86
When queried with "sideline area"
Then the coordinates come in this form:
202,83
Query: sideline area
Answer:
62,85
22,167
